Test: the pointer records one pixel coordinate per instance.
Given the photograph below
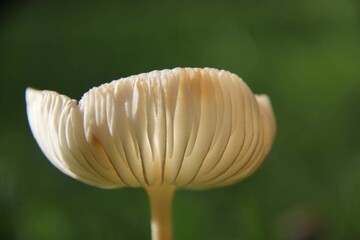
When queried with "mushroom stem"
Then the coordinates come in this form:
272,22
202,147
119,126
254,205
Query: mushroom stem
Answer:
161,211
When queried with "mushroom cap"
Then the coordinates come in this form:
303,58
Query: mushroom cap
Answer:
186,127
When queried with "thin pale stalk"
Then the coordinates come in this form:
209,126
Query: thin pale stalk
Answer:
161,198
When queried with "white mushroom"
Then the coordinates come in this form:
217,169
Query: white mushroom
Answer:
179,128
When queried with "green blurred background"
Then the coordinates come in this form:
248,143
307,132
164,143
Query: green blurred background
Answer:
304,54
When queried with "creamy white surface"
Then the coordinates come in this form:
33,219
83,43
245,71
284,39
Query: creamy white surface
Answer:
189,127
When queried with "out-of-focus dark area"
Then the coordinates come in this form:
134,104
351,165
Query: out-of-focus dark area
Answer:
304,54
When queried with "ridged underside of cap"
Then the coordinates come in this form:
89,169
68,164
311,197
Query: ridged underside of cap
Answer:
188,127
